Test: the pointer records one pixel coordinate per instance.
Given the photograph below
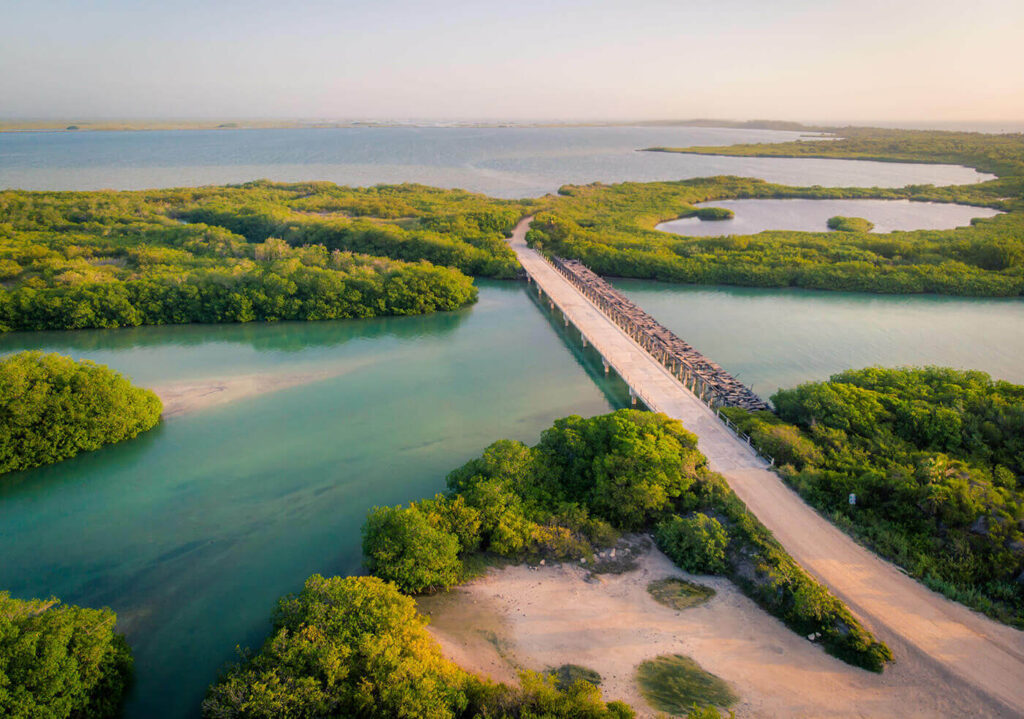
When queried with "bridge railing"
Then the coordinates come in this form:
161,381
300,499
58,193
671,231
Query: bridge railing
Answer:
711,384
744,436
688,375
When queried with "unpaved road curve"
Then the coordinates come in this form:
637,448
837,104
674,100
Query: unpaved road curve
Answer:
977,654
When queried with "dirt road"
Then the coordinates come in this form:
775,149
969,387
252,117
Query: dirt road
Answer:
975,653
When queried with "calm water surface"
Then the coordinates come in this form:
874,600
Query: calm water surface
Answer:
779,338
192,531
503,162
753,216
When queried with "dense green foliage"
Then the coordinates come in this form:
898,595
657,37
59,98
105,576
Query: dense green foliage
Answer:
52,408
259,251
401,546
59,661
611,228
998,154
696,543
714,214
674,683
588,479
357,647
850,224
935,458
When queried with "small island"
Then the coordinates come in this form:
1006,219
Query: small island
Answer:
850,224
714,214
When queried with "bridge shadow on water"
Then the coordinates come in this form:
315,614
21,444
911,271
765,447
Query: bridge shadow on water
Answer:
610,383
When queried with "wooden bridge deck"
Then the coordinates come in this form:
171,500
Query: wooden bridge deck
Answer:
927,632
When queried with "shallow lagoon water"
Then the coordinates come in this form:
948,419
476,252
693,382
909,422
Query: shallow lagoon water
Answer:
502,162
192,531
772,338
753,216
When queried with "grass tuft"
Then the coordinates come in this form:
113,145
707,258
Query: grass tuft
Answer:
676,684
678,593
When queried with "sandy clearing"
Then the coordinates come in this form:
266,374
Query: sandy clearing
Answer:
974,653
189,396
519,617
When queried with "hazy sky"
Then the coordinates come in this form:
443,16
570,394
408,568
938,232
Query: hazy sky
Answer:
817,60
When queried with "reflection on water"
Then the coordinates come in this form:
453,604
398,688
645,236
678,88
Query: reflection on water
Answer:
753,216
192,531
779,338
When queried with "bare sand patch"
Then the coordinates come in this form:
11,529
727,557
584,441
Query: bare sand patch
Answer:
192,395
537,618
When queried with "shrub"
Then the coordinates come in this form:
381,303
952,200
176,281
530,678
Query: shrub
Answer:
356,647
696,543
59,661
850,224
401,546
52,408
714,214
343,647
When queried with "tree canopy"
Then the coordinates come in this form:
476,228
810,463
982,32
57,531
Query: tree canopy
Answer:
52,408
935,458
59,661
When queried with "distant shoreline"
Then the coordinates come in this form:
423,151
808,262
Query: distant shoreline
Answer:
149,125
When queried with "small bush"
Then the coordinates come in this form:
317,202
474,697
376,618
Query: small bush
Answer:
401,546
696,543
714,214
568,674
850,224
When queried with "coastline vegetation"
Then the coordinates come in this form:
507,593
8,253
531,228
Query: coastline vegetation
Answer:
584,483
60,661
934,458
52,408
611,227
259,251
358,647
997,154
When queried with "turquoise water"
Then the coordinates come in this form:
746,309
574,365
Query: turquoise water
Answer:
779,338
503,162
192,531
753,216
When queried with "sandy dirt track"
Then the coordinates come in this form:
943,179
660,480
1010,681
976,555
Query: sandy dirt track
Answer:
540,618
974,652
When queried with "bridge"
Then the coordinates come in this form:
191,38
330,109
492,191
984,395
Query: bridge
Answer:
927,632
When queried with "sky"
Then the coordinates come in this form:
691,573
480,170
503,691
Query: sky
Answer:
816,61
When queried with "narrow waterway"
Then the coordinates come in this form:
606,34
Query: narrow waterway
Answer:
772,338
192,531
